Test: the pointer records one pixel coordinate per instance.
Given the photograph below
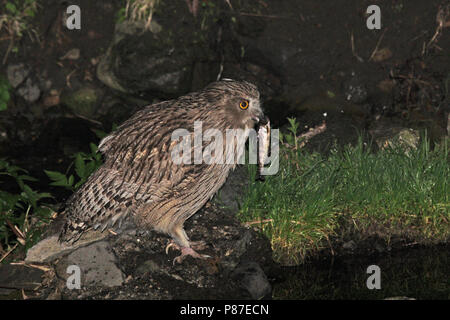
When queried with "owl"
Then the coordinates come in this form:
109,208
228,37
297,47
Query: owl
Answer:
140,180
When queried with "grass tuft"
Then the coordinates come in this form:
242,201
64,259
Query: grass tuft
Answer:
302,207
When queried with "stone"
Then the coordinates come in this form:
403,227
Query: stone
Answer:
98,265
251,277
82,102
17,73
29,91
20,277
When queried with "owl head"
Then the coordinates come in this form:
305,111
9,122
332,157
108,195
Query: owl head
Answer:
237,102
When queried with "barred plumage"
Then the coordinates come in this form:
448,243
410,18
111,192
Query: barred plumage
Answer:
139,180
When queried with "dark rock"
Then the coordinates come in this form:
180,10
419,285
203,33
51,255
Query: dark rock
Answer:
17,73
20,277
156,62
251,277
29,90
349,245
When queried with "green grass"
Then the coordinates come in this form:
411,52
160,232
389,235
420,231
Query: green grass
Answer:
302,207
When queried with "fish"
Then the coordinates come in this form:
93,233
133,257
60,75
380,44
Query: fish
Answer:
263,146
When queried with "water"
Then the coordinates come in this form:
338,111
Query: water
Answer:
420,273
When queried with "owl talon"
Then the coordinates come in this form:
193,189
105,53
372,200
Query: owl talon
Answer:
189,252
170,245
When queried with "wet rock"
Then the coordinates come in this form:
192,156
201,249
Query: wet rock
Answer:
251,277
17,73
98,265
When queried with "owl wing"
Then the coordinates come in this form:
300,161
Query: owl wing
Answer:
138,169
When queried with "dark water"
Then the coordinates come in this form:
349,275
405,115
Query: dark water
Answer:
420,273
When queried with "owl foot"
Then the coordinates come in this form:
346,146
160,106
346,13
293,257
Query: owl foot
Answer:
189,252
196,245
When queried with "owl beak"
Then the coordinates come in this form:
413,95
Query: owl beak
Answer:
260,118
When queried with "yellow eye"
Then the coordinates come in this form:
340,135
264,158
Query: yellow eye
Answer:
244,104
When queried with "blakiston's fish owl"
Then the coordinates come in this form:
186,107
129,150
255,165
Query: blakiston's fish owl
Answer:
139,178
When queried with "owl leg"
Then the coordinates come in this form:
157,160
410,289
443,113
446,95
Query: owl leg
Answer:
181,242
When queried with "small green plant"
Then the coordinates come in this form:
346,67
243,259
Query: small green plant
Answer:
21,214
15,19
4,93
85,164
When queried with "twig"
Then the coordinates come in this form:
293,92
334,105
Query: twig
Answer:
68,78
20,236
441,19
31,265
229,4
263,15
5,57
352,41
313,131
7,253
247,224
378,44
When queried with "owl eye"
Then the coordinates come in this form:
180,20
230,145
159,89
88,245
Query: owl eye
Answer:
244,104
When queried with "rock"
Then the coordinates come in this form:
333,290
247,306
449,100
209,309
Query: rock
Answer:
73,54
146,64
148,266
20,277
395,137
29,91
50,248
82,102
349,245
17,73
97,263
382,54
251,277
156,62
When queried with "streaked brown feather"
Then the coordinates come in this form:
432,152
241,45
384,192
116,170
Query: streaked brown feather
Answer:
138,178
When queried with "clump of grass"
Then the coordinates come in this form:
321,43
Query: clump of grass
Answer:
15,20
141,10
300,208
